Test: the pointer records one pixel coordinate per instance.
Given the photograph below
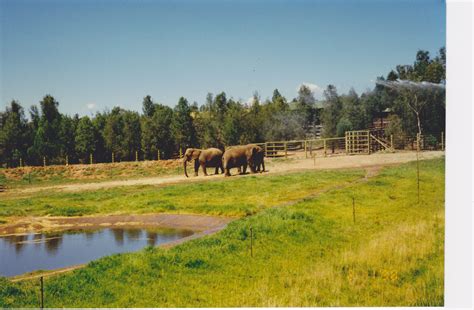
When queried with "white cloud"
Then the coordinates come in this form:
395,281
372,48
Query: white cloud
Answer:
315,89
91,106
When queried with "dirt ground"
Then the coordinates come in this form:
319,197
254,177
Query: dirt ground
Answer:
272,166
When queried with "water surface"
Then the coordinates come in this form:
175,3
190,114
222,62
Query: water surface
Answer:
26,253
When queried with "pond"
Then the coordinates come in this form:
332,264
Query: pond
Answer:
46,251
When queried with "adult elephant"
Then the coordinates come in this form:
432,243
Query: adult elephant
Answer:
257,162
240,156
211,157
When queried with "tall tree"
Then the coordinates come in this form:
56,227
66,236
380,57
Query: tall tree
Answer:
113,133
85,139
131,134
148,106
13,134
47,141
332,111
182,125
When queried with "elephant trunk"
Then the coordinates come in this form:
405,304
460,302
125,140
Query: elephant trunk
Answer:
185,164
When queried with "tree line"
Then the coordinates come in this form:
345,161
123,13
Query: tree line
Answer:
220,121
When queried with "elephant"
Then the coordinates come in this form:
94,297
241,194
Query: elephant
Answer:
257,163
211,157
241,156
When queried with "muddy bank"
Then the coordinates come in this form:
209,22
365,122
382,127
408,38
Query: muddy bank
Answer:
197,223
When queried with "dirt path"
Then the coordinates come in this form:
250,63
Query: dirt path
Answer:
273,166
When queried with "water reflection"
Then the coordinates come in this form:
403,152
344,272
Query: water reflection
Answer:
119,235
53,242
26,253
152,237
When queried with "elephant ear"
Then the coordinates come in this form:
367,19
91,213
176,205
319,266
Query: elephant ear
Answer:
196,153
250,152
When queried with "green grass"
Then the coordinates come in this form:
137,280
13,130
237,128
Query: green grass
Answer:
226,196
308,254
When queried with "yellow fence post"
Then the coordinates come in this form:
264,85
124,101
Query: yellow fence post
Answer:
442,141
136,155
90,158
346,145
158,155
305,149
391,142
180,153
67,160
286,152
324,144
113,157
21,163
44,161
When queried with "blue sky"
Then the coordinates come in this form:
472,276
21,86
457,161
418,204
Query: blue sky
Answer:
92,55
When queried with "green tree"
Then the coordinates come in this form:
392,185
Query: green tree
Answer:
99,121
353,110
67,136
305,106
148,106
85,141
182,125
156,133
332,111
13,135
47,140
113,133
131,134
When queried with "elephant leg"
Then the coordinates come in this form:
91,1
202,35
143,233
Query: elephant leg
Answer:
203,166
253,167
227,172
239,169
263,165
196,167
216,170
245,169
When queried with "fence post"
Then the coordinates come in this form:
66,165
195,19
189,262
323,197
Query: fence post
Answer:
418,142
136,155
325,151
113,157
266,149
21,163
158,155
305,149
286,152
442,141
42,293
67,160
346,145
353,210
180,152
44,161
251,242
